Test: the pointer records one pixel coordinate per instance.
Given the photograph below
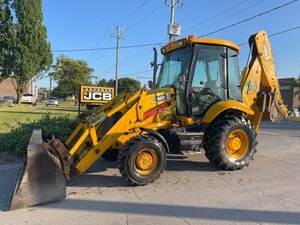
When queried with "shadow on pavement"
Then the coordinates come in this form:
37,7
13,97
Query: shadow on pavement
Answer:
188,165
98,180
180,211
174,163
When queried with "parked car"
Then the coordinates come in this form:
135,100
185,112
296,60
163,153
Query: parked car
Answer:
8,99
28,99
52,101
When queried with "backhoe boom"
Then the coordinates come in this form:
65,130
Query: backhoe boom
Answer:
259,83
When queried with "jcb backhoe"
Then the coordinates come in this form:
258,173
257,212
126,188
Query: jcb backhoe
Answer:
199,100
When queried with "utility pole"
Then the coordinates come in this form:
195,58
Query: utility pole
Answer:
50,85
118,36
173,29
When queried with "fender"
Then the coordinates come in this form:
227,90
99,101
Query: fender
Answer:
220,107
159,137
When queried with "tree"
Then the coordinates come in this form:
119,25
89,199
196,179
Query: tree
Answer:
43,89
70,74
33,55
124,83
127,83
62,90
103,83
7,40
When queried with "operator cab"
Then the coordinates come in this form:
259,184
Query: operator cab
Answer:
202,71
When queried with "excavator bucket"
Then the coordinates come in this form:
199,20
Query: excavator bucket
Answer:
41,180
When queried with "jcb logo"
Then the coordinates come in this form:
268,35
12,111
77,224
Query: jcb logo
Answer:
94,94
97,96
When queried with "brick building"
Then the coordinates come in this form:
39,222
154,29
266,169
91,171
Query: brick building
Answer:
7,88
290,94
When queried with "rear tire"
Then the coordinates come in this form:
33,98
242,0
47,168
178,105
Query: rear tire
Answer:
142,160
230,143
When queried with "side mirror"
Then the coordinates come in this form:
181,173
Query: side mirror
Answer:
150,84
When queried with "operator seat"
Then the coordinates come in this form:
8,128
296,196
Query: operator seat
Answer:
211,87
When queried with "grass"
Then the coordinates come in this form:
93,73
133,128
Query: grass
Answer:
294,118
11,115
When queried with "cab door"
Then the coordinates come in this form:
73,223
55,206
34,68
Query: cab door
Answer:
208,79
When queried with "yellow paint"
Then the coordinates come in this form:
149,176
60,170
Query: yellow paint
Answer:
79,142
220,107
260,76
192,40
74,133
133,108
237,144
187,121
145,161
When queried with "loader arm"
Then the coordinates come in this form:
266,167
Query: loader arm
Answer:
259,83
126,116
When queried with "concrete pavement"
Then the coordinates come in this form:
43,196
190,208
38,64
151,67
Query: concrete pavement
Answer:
190,191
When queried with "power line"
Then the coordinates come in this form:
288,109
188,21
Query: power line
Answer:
277,33
145,17
271,35
126,18
125,60
284,31
225,17
250,18
147,50
140,72
147,45
108,48
101,43
216,15
136,23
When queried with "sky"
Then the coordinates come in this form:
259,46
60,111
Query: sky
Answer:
90,24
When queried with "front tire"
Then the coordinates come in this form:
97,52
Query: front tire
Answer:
230,143
142,160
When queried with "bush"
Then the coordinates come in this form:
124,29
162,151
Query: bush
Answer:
17,140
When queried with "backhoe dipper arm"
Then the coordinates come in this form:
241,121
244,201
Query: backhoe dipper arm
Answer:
259,83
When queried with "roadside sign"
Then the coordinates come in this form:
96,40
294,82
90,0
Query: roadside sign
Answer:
95,94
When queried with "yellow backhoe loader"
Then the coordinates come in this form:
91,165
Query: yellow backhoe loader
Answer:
198,100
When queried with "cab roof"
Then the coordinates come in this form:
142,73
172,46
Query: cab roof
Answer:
192,40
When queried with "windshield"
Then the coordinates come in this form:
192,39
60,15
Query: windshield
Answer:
174,64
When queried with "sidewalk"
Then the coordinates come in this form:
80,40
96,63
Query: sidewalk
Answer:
8,177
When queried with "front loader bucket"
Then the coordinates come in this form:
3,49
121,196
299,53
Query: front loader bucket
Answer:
41,181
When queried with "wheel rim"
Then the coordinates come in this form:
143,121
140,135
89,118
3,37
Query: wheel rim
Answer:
237,144
145,161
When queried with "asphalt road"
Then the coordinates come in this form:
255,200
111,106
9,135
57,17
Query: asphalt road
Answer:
190,191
